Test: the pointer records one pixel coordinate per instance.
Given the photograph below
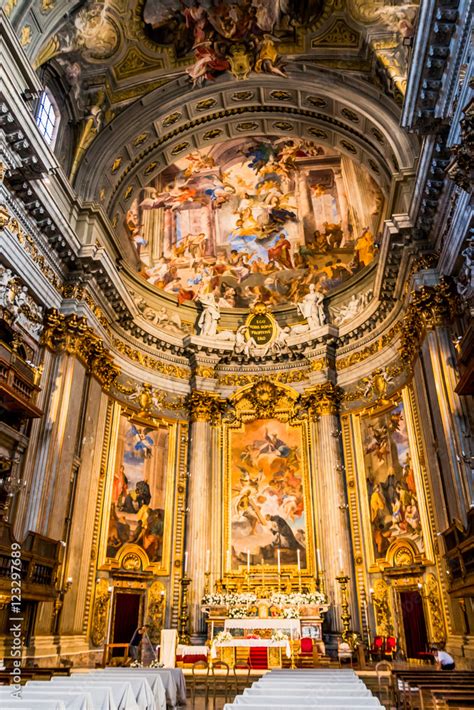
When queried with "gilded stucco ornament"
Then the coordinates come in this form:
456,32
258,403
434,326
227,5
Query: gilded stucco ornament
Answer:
430,306
460,169
433,598
156,610
381,602
322,399
204,406
73,335
101,612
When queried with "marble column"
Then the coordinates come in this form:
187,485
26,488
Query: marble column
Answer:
332,520
450,419
204,412
343,206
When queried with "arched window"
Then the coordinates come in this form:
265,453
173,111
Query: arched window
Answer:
47,118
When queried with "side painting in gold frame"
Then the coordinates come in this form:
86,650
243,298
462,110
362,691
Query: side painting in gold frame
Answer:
139,494
268,497
391,483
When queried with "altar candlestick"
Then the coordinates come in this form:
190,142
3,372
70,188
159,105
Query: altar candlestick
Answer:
208,560
298,555
341,564
248,562
185,562
228,561
318,554
279,561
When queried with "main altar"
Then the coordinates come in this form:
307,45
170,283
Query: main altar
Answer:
266,618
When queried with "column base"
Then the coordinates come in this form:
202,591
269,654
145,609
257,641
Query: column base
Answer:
198,639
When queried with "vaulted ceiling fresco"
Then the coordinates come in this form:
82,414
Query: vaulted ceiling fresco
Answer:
256,220
133,46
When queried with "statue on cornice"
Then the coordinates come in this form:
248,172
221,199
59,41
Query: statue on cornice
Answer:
312,308
210,315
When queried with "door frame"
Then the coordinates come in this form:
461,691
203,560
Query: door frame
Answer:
141,608
409,587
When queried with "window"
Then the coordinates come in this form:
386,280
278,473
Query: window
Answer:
47,118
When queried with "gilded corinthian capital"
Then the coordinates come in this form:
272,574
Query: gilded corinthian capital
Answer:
322,399
204,406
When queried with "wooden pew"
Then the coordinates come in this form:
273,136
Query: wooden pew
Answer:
421,680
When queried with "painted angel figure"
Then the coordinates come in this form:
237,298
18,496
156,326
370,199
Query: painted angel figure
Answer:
144,443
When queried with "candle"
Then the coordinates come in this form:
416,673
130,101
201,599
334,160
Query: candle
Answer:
341,564
228,561
298,555
208,560
185,562
248,561
279,561
318,554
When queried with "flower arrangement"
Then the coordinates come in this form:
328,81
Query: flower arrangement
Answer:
237,612
222,636
290,613
228,599
278,635
156,664
298,598
136,664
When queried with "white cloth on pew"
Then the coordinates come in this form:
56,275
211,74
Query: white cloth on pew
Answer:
102,698
172,678
319,690
122,691
283,705
140,686
155,682
308,698
73,700
14,704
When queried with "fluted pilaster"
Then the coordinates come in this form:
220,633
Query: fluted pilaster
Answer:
204,411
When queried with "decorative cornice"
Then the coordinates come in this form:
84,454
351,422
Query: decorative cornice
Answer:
74,336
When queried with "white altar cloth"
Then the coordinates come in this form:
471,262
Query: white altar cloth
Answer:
262,643
182,650
291,625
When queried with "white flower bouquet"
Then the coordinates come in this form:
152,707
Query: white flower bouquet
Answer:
290,613
278,635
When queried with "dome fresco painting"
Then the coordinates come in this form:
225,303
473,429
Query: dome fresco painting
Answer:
256,220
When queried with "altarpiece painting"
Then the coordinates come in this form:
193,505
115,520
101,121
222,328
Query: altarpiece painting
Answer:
394,505
139,489
268,494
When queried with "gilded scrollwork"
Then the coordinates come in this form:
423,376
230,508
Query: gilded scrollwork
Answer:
101,612
156,610
429,307
383,613
435,608
73,335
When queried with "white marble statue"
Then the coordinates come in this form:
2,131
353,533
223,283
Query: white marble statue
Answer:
210,315
311,308
7,288
352,308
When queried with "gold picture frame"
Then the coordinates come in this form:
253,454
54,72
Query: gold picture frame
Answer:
132,557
